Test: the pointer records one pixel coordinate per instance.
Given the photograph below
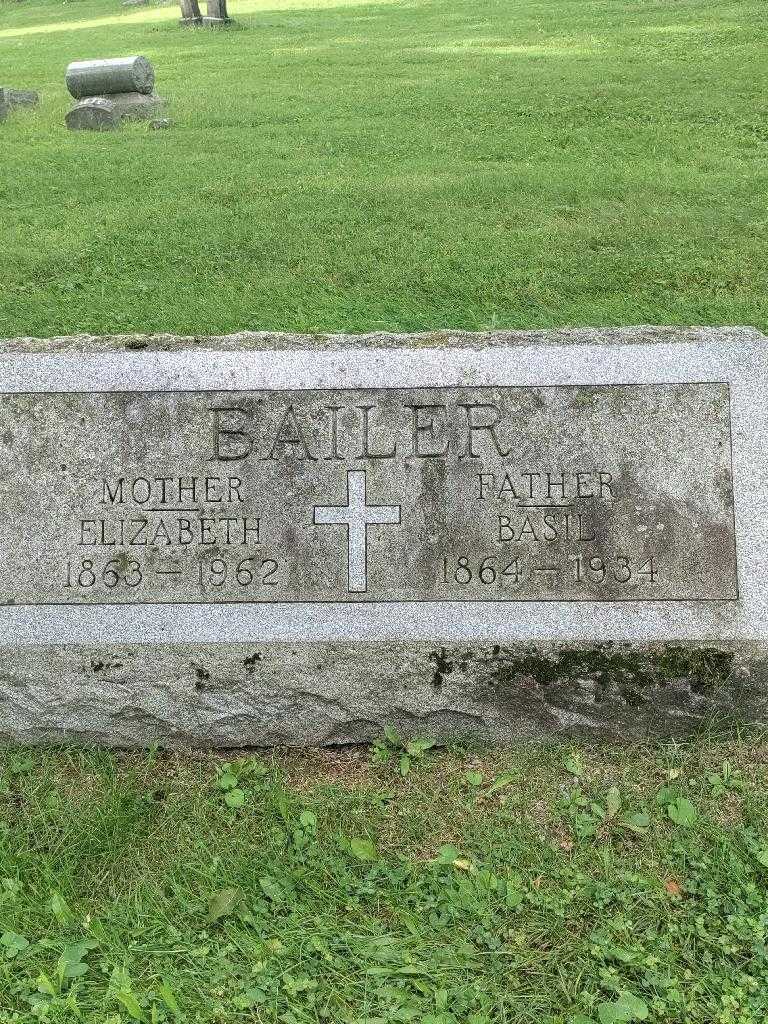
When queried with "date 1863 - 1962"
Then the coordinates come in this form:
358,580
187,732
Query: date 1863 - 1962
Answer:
253,571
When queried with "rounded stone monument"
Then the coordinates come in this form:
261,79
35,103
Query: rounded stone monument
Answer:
111,91
113,75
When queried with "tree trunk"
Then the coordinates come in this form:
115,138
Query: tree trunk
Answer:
216,13
190,13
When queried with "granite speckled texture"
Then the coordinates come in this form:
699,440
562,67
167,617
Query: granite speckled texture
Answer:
298,670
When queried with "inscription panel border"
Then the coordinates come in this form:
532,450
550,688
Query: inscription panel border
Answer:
400,601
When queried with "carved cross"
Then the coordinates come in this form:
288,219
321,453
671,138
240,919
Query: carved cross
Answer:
357,516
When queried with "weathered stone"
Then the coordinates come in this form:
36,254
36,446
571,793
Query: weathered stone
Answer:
19,97
159,123
268,539
286,693
136,106
94,114
105,113
87,78
12,98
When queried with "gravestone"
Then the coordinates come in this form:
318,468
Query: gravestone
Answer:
10,99
271,539
111,91
105,113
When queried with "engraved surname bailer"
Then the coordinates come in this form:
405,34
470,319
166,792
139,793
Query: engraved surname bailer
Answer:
551,493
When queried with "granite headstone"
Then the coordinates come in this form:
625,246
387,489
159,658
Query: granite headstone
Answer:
271,539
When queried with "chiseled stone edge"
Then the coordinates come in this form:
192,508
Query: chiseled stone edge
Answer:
245,341
244,695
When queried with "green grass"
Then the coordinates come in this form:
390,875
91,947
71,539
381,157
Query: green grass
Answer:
358,165
312,887
403,165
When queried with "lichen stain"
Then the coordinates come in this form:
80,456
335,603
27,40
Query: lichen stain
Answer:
443,667
202,677
612,688
704,667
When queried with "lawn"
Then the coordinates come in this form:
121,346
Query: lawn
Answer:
545,885
400,165
390,166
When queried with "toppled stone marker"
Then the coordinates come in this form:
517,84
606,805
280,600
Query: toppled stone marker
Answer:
10,99
269,539
116,74
110,92
19,97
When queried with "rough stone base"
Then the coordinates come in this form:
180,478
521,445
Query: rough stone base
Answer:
238,695
136,106
106,113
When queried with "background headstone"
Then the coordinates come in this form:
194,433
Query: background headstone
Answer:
19,97
12,98
136,106
216,15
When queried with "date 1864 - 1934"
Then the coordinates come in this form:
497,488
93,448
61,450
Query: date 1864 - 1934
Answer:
493,570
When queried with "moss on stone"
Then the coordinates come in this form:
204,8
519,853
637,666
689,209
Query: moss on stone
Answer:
702,667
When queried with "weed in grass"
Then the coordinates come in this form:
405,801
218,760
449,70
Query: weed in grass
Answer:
405,752
492,887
